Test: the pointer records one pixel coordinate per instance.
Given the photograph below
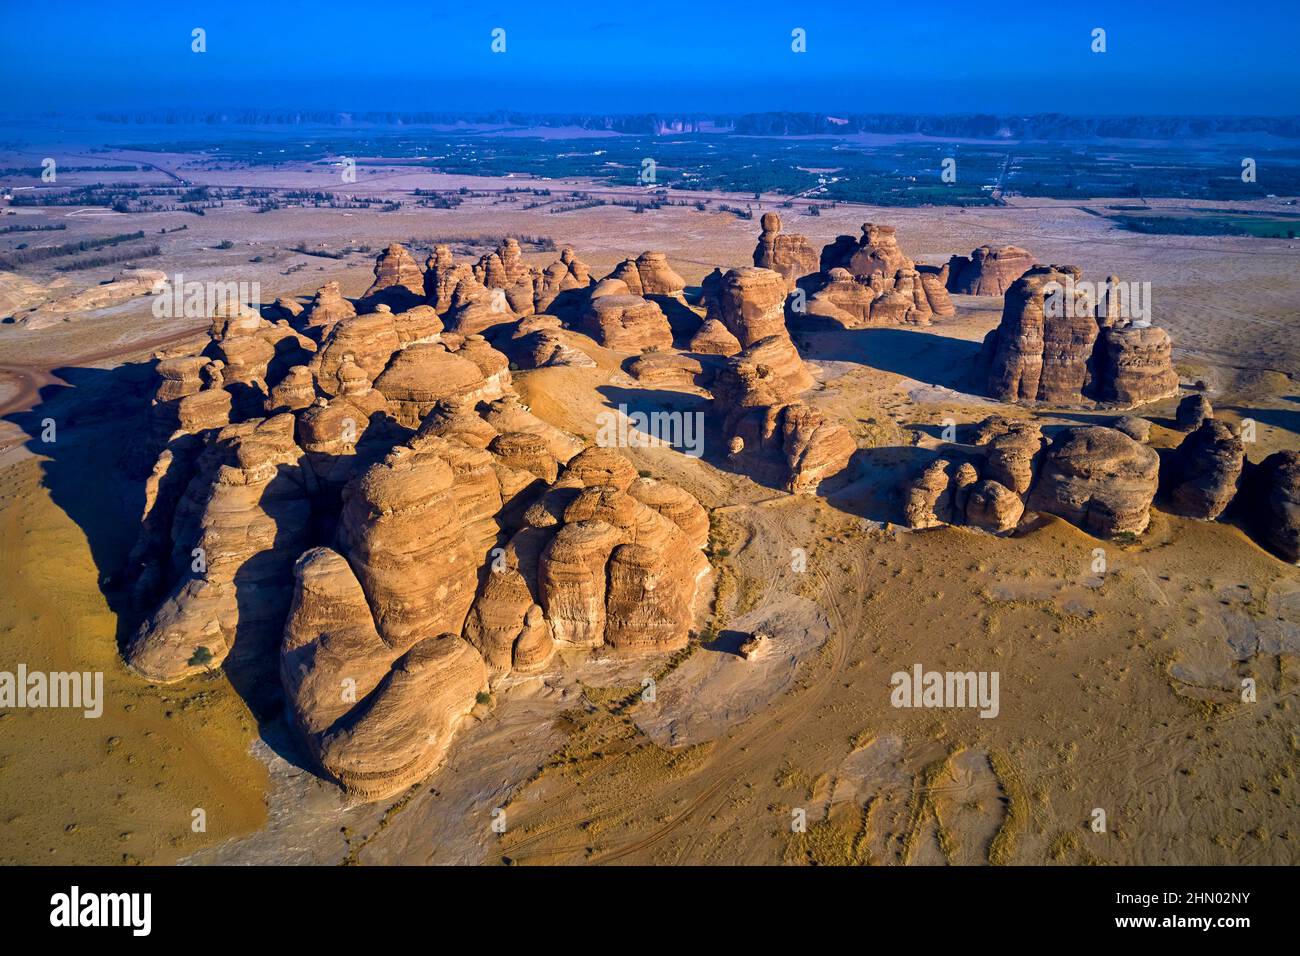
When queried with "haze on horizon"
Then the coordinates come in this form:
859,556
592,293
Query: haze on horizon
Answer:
673,56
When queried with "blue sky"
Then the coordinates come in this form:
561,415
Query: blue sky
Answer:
638,56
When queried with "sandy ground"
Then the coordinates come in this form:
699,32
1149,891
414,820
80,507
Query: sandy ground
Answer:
1118,690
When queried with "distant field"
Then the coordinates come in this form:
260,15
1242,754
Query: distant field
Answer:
1213,223
906,172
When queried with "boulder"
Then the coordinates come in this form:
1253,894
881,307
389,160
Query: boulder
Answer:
993,507
1099,479
927,501
1203,474
1192,411
626,323
1272,504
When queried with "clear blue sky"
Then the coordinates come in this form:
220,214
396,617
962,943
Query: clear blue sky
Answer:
641,56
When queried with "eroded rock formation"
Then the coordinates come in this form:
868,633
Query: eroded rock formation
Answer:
1099,479
342,503
988,270
789,254
1050,347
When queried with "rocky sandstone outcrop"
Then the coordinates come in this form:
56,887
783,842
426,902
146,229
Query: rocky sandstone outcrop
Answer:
394,460
1272,504
771,435
1050,347
870,281
626,323
327,309
1099,479
988,270
751,304
602,558
649,274
789,254
1011,450
562,287
1192,411
1203,474
234,535
396,269
992,506
376,716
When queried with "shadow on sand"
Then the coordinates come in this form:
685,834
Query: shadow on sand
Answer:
95,471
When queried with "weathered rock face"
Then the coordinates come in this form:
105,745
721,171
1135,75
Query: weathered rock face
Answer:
297,390
668,370
1136,365
506,270
509,415
376,717
779,357
927,500
235,532
870,281
1011,450
1138,429
441,276
988,270
1192,412
771,436
993,507
1050,347
1037,359
404,533
597,555
714,338
1099,479
1272,503
395,268
751,304
657,276
475,308
602,558
563,286
327,309
843,299
419,377
418,325
1203,474
648,274
535,345
626,323
364,342
875,252
790,255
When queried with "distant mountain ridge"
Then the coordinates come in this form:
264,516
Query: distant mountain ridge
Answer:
1036,126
